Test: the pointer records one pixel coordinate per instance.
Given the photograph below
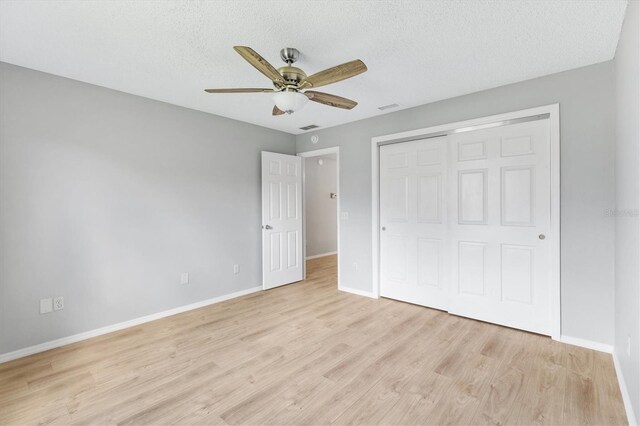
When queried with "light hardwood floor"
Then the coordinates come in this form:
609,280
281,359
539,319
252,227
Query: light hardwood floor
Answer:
308,354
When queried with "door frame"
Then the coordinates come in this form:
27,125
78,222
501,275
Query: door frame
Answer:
318,153
483,122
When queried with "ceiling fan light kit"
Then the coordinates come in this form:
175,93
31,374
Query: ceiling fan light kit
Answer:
289,81
289,101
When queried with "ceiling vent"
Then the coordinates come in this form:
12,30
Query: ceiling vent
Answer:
309,127
382,108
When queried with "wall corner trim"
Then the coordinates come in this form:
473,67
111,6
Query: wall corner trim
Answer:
358,292
626,398
52,344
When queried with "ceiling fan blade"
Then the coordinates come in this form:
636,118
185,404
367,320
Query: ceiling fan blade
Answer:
331,100
243,90
277,111
335,74
259,63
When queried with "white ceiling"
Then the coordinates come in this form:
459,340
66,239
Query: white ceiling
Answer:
416,51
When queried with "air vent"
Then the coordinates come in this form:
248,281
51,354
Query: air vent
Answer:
309,127
382,108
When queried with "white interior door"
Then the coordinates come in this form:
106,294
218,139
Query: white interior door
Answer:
500,217
464,224
413,218
282,261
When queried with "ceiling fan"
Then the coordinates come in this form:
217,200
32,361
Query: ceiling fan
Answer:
291,83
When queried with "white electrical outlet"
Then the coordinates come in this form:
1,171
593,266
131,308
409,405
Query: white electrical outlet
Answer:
629,346
46,306
184,278
236,269
58,303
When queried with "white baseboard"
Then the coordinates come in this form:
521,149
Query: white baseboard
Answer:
358,292
626,398
9,356
589,344
321,255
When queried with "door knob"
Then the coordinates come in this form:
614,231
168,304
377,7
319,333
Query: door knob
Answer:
542,236
268,227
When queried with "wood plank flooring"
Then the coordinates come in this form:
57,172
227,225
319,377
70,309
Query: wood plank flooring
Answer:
309,354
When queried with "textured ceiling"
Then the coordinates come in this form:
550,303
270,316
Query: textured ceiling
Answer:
417,51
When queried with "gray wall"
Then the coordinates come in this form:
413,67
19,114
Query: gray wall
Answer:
105,198
587,183
627,288
321,219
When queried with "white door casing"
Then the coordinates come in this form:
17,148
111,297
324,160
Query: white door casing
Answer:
489,228
413,216
282,255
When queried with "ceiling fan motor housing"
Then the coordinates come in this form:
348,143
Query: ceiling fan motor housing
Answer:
291,75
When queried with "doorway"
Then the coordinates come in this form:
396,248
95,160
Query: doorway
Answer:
321,201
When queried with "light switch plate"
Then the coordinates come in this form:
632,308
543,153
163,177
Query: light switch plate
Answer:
46,306
184,278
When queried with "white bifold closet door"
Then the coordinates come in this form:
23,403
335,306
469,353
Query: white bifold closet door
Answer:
413,215
465,221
